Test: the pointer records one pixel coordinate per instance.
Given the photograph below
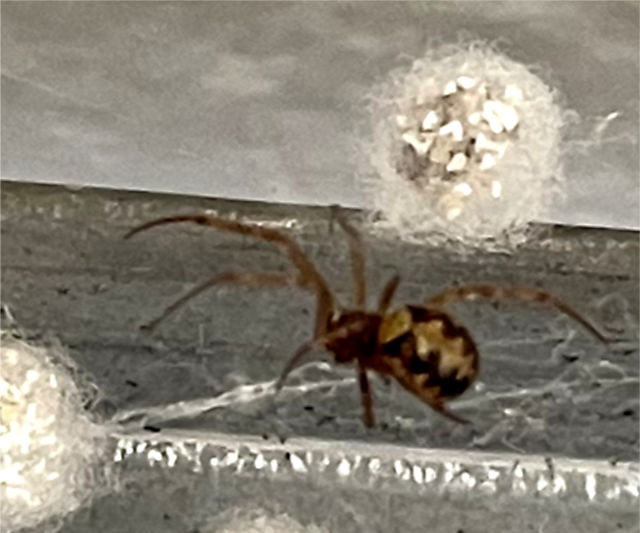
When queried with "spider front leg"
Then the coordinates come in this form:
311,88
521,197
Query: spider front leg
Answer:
387,294
309,277
251,279
357,256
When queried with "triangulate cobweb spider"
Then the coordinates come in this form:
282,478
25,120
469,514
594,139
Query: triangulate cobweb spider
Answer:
420,346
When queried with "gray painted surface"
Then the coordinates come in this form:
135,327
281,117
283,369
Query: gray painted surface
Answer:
262,100
546,389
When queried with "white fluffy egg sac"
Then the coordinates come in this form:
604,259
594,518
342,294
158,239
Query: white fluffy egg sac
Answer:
50,451
464,147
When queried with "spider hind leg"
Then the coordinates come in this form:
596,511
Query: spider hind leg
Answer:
440,408
524,294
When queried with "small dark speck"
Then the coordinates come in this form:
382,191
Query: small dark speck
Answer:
166,516
308,408
460,531
570,358
62,290
265,436
131,383
325,419
619,525
627,412
613,461
153,429
282,440
287,456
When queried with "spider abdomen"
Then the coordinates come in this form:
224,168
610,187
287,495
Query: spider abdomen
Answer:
427,353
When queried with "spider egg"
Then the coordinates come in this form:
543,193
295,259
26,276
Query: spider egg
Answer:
463,117
49,449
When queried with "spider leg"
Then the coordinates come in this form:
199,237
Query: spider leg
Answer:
324,309
319,342
357,256
432,396
309,274
527,294
367,398
440,408
253,279
387,294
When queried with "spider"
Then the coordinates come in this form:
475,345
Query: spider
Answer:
420,346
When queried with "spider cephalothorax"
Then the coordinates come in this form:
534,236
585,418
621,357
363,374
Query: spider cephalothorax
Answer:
420,346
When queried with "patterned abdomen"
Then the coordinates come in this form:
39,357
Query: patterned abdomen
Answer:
427,353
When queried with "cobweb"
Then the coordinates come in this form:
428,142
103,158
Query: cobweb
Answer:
545,387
